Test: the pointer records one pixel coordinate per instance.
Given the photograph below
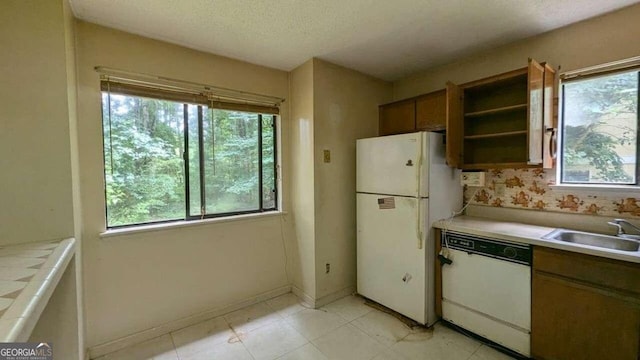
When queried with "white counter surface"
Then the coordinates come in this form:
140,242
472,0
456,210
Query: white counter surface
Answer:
29,273
527,234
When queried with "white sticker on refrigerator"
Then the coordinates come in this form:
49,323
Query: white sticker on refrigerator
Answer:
387,203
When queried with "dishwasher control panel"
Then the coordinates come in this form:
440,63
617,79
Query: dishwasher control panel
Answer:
518,253
462,243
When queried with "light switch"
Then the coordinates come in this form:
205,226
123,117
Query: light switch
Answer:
327,156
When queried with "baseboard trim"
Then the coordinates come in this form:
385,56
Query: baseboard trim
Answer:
304,297
151,333
320,302
335,296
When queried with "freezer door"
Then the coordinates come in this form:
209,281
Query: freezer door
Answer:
390,255
394,165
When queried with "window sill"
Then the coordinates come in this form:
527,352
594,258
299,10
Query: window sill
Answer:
602,188
183,224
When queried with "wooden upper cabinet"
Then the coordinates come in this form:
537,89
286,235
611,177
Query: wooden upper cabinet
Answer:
422,113
454,134
431,111
497,122
535,115
397,118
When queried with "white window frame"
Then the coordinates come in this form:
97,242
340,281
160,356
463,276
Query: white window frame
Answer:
615,66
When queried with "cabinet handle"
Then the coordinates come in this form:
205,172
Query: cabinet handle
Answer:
553,144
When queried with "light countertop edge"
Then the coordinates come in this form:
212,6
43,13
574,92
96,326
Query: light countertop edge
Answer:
17,323
527,234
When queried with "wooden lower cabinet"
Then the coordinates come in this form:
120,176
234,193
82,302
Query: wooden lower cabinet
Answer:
577,319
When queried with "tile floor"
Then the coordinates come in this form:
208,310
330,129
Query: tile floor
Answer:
282,328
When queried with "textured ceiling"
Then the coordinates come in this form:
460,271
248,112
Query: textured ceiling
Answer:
386,39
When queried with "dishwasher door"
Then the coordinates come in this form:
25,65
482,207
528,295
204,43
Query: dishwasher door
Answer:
490,297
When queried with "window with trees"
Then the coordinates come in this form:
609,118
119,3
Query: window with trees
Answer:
600,129
179,156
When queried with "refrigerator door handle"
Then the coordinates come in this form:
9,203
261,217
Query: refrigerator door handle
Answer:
419,167
418,227
418,185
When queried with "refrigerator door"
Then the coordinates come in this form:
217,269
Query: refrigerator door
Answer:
395,165
446,192
390,254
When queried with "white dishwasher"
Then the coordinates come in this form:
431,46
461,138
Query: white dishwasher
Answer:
486,289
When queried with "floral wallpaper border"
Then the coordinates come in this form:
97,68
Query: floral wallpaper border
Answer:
530,189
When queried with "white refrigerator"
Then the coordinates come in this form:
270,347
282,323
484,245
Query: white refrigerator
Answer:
403,185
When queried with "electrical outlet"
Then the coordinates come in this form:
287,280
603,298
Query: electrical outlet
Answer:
327,156
500,189
475,178
327,267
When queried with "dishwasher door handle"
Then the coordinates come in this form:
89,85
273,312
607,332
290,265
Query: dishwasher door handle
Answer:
444,260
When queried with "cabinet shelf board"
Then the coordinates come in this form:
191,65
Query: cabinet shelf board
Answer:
496,110
504,79
496,135
505,165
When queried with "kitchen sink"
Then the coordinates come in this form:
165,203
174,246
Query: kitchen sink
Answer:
591,239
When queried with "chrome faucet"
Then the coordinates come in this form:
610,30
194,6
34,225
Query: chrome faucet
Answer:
620,229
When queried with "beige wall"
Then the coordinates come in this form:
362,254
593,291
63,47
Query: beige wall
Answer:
139,281
72,90
331,107
35,158
302,178
345,109
595,41
58,323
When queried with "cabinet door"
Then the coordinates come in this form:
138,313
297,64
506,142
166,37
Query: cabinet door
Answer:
455,125
438,273
397,118
431,112
570,320
535,116
549,148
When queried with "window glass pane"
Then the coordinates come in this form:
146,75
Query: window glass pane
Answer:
144,170
600,130
268,162
231,161
194,162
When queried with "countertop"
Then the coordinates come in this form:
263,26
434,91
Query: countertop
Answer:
29,273
527,234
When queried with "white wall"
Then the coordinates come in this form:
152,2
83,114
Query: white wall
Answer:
610,37
139,281
35,157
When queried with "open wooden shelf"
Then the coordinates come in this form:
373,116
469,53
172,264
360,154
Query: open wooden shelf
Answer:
499,121
496,110
496,135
